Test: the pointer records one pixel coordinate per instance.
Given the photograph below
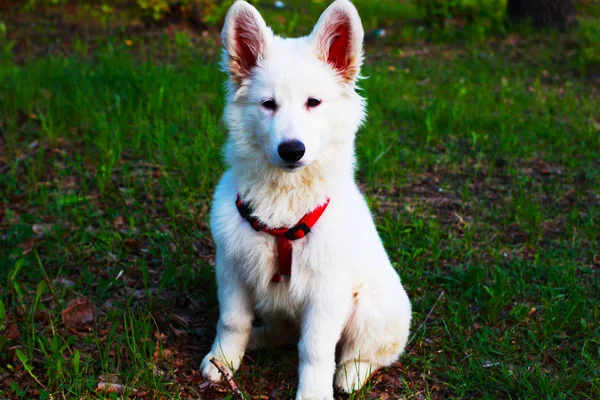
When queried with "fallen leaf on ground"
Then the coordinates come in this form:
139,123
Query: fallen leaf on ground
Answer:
532,311
79,314
119,221
12,333
116,388
109,387
27,246
132,243
161,337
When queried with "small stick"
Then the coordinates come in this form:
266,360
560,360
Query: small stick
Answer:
414,335
237,393
427,317
430,311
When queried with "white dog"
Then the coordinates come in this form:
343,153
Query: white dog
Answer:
296,243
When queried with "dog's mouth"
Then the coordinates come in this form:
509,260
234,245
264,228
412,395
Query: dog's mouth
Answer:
291,167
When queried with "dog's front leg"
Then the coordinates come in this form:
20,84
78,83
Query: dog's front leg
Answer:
322,325
234,326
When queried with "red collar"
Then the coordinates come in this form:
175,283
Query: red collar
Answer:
284,235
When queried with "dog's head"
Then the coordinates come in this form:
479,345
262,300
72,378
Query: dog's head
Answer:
291,100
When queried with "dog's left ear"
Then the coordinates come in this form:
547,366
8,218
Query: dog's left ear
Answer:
246,38
338,38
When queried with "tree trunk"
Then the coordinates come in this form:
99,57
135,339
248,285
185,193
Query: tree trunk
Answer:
558,14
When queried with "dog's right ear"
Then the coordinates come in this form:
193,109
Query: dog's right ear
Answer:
338,38
246,38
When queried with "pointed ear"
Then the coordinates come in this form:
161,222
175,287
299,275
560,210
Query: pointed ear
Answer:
245,38
338,38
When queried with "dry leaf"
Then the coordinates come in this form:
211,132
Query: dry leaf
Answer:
161,337
27,246
533,310
132,244
117,388
12,332
79,314
109,387
119,221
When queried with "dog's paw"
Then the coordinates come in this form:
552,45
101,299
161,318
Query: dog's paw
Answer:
314,396
209,371
352,375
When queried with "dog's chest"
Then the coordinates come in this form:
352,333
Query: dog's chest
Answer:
258,263
252,256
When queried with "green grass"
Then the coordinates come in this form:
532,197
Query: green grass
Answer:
480,162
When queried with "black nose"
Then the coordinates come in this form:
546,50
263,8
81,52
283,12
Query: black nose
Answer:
291,151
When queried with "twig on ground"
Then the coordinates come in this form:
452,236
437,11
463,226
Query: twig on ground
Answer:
430,311
427,317
237,393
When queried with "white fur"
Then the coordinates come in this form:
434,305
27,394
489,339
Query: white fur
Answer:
343,287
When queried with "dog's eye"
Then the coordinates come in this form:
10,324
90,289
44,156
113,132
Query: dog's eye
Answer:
312,102
269,104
